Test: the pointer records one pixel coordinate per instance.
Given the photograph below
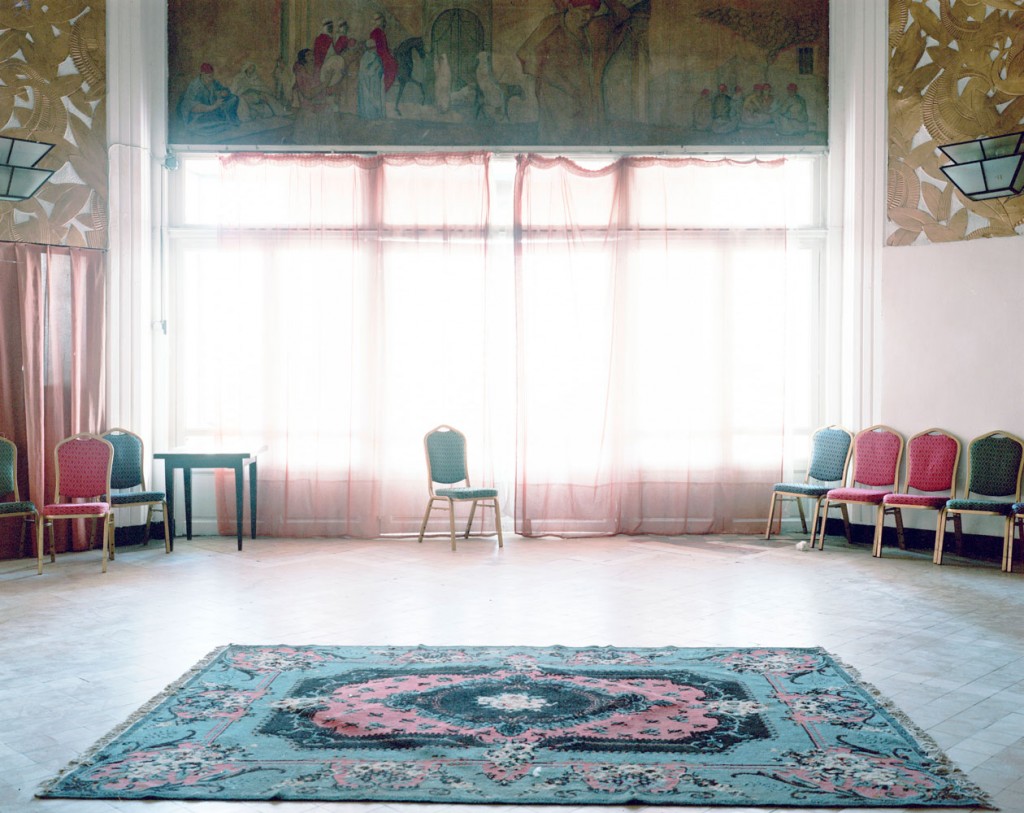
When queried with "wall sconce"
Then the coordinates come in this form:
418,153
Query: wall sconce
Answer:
20,178
987,167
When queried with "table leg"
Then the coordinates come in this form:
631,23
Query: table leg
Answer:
187,473
169,488
238,502
252,498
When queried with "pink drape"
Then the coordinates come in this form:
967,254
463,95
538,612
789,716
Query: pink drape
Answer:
52,360
364,302
648,393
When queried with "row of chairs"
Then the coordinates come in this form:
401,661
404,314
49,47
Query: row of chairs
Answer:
992,487
94,474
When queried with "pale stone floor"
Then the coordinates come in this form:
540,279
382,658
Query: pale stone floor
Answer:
81,651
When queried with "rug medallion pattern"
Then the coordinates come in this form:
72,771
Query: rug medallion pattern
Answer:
515,725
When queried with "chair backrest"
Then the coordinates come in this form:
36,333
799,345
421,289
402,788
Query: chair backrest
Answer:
830,454
994,462
8,468
126,471
933,457
446,456
83,467
877,452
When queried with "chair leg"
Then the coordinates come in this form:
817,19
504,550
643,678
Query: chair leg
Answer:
1008,545
53,543
472,512
426,516
106,539
814,519
451,520
149,521
167,530
771,516
940,535
803,516
901,540
846,522
824,523
876,547
39,544
497,523
958,529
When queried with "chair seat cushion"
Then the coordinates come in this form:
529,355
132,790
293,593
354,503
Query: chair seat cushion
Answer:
868,495
463,493
915,501
984,506
801,489
76,509
20,507
135,497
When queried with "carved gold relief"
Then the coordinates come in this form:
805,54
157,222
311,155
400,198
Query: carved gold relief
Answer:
955,74
53,89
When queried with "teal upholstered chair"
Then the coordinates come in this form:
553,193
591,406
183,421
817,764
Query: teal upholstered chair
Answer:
995,461
446,467
128,480
830,461
877,452
16,507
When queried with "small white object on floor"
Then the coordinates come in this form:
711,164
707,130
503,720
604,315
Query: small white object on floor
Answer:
803,544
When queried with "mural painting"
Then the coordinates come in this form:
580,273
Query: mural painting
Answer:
413,74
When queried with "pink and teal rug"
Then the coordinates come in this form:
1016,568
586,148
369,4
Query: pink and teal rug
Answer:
520,725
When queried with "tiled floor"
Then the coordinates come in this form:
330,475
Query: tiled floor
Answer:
82,651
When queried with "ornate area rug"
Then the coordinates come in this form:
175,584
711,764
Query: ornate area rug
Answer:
520,725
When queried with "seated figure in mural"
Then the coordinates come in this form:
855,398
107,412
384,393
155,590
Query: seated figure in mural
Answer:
723,117
702,111
757,107
255,99
567,55
208,104
791,116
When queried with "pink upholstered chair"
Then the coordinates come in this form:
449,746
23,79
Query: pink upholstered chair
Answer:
877,452
82,490
933,457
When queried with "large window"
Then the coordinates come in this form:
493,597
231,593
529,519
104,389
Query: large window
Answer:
591,326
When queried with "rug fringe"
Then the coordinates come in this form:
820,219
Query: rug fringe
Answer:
138,714
928,744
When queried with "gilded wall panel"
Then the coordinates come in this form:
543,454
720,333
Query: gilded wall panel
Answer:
956,72
53,89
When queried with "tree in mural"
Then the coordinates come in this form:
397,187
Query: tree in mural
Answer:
772,31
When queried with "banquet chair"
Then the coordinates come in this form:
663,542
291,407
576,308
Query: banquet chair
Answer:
81,491
446,466
128,480
877,452
995,461
830,464
933,457
16,507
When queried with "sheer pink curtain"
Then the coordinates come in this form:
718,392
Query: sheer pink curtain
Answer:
52,360
649,393
346,306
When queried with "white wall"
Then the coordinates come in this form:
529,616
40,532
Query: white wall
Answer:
952,343
952,336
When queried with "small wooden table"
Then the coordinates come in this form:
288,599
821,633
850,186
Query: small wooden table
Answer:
187,458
